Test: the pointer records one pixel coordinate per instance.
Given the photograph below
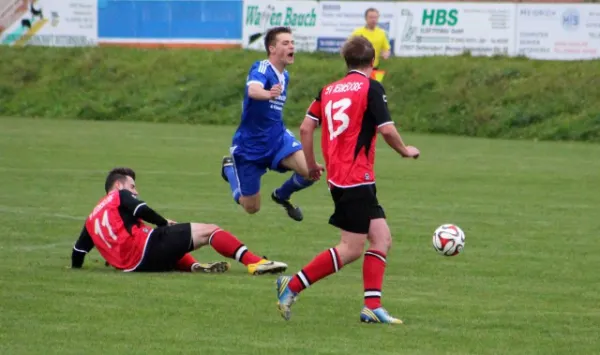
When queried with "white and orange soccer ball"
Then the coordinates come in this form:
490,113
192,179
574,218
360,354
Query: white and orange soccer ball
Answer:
448,240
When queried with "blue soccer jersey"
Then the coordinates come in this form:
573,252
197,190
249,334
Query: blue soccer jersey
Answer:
262,128
261,141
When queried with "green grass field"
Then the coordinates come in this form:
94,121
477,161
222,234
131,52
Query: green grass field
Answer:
527,282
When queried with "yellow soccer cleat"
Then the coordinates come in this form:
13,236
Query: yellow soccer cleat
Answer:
266,267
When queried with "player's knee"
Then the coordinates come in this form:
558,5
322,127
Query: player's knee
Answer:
380,237
385,242
201,233
252,209
251,204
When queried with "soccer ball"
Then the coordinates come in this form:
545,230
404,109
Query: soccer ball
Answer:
448,240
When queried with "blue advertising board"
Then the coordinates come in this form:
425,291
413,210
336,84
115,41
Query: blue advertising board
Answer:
193,22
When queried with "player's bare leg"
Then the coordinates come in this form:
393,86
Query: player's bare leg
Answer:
229,246
200,234
251,204
349,249
380,242
298,181
297,162
330,261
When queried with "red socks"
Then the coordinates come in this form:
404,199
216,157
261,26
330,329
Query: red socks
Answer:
373,270
328,262
185,263
225,244
323,265
229,246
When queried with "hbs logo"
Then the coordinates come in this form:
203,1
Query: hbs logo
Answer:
570,19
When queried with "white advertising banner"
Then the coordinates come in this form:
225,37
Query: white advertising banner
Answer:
301,16
426,29
558,31
64,23
340,18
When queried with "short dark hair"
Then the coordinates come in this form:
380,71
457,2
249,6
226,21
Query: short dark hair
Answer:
358,52
117,174
370,9
272,33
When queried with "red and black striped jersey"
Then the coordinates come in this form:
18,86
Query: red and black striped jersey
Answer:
353,108
119,236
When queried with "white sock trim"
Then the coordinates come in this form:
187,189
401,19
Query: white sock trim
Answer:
335,259
241,250
303,279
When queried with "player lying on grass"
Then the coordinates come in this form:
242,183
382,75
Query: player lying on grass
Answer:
262,141
351,111
116,227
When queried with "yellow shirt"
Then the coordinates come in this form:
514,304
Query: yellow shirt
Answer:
377,38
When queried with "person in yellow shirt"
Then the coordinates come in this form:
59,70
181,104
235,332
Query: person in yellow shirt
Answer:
378,39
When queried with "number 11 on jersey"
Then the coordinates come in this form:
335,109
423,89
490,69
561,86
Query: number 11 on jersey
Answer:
106,225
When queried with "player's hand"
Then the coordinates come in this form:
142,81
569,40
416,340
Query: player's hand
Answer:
412,152
170,223
315,171
276,91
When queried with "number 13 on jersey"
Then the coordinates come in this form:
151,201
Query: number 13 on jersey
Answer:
336,112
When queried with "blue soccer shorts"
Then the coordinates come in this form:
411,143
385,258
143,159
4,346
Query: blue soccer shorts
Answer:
251,168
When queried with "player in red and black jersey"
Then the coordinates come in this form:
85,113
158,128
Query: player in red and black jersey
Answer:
351,111
116,227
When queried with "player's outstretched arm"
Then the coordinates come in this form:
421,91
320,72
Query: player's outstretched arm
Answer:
378,109
140,209
393,139
83,246
257,92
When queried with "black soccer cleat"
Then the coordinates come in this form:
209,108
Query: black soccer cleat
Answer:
294,212
216,267
227,161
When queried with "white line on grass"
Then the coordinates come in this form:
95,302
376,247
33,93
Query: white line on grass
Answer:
37,212
39,247
95,171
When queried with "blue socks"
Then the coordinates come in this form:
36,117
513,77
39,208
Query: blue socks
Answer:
233,183
293,184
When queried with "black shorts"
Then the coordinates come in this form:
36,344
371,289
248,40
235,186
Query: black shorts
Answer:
166,246
355,207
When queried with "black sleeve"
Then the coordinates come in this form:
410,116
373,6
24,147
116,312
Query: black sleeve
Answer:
83,246
140,209
314,111
377,104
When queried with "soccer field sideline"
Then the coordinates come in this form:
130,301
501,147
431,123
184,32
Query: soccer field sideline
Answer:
526,283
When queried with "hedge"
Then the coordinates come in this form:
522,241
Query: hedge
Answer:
463,95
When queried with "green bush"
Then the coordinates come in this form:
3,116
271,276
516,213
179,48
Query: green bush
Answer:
489,97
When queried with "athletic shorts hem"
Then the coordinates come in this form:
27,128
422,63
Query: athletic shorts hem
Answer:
276,163
166,247
355,207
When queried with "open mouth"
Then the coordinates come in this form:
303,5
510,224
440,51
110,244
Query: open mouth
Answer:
290,55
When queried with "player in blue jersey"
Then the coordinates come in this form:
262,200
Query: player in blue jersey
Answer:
262,141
